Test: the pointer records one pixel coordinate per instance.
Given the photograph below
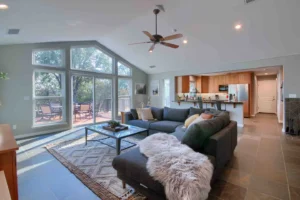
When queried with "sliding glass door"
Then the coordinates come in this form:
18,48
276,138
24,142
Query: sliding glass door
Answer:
103,99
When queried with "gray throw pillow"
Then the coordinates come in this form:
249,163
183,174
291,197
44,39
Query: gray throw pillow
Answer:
134,113
157,113
194,111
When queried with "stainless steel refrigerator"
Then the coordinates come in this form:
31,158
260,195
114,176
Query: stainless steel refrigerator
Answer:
242,94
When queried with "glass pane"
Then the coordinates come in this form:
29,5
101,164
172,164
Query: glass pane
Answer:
91,59
48,57
124,92
167,99
48,111
123,70
103,98
48,83
82,100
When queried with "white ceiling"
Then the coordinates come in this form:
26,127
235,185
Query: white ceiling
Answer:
270,28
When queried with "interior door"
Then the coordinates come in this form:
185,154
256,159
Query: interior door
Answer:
267,95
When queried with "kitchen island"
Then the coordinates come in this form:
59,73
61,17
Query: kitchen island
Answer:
235,108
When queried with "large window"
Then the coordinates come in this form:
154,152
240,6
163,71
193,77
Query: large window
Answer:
123,70
54,57
48,97
166,98
91,59
124,95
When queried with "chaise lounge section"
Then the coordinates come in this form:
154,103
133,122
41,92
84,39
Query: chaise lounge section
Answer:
218,146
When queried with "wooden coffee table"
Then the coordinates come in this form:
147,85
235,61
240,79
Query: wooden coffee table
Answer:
118,136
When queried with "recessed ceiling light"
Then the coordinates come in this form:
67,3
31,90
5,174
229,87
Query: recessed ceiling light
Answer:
185,41
3,6
238,26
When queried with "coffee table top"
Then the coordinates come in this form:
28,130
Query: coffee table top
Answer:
132,130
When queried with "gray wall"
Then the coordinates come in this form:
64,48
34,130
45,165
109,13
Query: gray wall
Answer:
16,60
291,65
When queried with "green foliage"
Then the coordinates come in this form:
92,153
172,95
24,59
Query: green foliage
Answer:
48,57
3,75
113,123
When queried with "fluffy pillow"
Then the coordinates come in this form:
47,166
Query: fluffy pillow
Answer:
206,116
146,114
139,113
189,120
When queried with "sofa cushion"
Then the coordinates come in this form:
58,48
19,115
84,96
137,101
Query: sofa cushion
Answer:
194,111
180,128
198,133
173,114
140,123
133,165
224,116
157,113
165,126
134,113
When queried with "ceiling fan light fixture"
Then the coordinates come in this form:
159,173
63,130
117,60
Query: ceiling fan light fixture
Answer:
238,26
185,41
150,51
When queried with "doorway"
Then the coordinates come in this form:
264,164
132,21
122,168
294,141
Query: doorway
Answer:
267,93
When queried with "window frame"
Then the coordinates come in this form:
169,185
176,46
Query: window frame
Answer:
126,65
130,92
93,71
62,98
63,65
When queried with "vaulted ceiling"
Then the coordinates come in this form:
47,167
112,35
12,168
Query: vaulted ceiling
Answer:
270,28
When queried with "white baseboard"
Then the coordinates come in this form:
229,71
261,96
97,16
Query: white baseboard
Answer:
283,130
27,135
240,125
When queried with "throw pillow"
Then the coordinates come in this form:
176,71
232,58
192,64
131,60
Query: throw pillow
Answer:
197,120
134,113
146,114
157,113
189,120
195,111
139,112
206,116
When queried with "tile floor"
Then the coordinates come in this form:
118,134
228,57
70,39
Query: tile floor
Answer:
266,165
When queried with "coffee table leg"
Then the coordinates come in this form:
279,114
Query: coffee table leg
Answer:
118,146
147,132
86,133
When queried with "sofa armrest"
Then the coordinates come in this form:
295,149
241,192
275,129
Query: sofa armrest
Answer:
220,145
128,116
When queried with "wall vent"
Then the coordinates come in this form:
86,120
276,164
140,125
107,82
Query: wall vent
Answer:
249,1
13,31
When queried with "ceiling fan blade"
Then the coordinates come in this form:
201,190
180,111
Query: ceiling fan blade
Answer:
170,45
139,43
149,35
152,47
172,37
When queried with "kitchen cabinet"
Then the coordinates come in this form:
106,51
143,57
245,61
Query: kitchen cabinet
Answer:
233,78
204,84
199,84
244,78
182,84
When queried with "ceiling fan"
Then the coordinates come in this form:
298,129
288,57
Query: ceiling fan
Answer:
158,39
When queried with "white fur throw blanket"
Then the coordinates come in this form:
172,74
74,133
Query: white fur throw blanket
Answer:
184,173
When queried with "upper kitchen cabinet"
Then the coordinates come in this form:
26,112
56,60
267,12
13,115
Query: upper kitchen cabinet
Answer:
204,84
233,78
182,84
244,78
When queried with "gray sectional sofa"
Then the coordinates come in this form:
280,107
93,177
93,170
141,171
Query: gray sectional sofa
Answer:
216,138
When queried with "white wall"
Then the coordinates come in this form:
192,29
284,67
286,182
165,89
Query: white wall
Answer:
16,60
290,63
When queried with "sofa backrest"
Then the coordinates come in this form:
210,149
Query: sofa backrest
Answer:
197,134
177,115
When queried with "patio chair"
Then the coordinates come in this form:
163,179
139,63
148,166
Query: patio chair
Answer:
56,108
47,112
85,109
75,110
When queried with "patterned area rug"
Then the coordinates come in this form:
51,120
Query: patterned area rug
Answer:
92,165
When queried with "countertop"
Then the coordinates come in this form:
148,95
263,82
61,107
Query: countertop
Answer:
212,101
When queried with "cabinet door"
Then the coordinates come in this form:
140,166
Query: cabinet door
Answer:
199,84
185,84
233,78
204,84
245,78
